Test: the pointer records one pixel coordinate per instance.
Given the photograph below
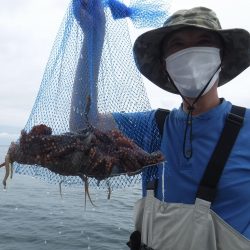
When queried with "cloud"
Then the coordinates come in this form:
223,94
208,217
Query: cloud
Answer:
4,134
7,135
28,30
7,138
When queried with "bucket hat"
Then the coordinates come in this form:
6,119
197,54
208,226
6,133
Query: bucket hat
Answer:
148,53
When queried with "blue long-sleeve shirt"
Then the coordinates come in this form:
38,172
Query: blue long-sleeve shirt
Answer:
182,176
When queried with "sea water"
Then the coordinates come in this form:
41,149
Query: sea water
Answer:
33,216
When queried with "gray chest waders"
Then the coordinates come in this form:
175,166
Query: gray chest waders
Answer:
176,226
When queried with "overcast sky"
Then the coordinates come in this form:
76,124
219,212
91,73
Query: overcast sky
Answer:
28,29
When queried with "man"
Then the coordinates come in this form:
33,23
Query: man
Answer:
191,56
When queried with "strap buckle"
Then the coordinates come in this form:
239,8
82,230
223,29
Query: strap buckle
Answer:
235,119
152,185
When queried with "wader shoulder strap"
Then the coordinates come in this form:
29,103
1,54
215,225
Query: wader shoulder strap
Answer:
211,177
160,116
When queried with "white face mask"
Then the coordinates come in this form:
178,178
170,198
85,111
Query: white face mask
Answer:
192,68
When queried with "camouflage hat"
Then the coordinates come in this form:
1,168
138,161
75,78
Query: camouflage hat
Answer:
148,54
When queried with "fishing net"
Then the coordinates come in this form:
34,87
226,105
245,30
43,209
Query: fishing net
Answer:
92,99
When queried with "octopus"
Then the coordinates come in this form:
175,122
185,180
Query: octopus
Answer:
89,152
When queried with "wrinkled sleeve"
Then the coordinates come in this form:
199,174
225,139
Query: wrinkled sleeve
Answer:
141,128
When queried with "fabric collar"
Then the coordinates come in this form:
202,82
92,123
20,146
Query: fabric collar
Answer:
222,109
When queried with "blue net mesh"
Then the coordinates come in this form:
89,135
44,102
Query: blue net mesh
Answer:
91,80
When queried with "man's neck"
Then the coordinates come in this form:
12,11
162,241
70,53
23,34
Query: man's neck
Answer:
204,104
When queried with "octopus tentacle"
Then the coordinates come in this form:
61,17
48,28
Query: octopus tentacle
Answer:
7,169
86,189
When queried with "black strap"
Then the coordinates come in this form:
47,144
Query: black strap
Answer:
208,185
160,116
